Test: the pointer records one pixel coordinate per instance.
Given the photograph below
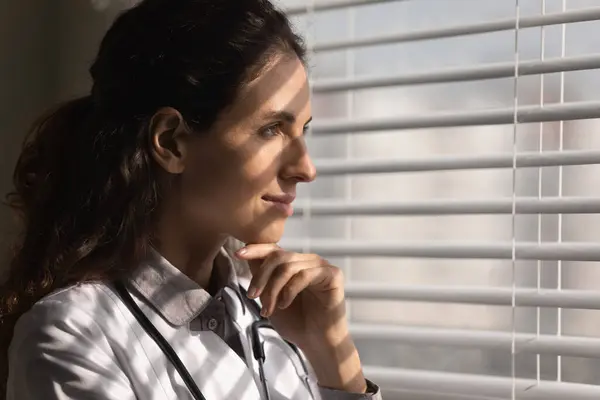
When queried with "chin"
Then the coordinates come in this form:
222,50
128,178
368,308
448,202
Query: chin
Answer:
271,233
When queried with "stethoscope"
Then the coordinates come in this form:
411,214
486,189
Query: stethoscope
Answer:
257,345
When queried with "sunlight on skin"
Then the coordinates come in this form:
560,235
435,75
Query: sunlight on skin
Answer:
239,179
255,149
246,163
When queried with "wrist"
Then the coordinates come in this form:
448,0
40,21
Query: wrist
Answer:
336,362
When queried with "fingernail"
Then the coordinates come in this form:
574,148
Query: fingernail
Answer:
252,292
263,312
241,251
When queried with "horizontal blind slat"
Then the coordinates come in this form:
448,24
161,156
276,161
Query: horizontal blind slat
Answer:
332,5
580,15
333,167
493,296
500,116
479,339
470,73
467,250
480,385
475,385
429,395
533,205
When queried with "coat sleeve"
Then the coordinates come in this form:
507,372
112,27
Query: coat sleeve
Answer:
60,354
373,393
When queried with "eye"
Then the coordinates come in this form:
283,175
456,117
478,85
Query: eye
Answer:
270,131
305,129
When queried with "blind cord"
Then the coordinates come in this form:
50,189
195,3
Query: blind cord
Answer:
540,195
311,34
560,193
514,203
349,223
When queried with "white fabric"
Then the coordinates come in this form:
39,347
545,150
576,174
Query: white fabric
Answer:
84,343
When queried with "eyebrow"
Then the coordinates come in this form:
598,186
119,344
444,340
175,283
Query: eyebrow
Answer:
285,116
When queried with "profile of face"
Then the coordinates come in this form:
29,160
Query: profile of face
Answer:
239,179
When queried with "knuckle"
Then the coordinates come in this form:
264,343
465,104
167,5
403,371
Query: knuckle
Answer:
288,268
277,257
280,253
302,275
324,261
285,270
337,272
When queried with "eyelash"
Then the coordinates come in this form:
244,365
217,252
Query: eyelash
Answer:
265,131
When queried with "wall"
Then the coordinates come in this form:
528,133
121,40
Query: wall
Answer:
26,68
46,48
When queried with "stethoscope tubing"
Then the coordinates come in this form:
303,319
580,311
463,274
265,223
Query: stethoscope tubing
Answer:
256,345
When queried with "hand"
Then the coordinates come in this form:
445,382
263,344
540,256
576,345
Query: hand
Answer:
303,295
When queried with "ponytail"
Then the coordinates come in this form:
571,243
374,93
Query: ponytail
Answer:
85,189
43,149
35,175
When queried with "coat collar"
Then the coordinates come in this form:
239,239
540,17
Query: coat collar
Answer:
172,293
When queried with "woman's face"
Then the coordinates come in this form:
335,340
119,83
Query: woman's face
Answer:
240,178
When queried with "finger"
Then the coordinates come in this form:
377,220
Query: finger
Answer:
299,282
262,274
256,251
279,278
277,281
255,254
324,278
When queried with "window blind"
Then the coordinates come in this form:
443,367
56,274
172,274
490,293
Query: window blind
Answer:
458,157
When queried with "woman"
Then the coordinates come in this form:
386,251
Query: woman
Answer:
121,287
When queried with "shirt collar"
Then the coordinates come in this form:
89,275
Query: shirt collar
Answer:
172,293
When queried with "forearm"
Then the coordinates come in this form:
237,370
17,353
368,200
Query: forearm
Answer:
336,363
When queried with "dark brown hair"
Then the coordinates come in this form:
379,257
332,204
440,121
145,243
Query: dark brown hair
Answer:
85,185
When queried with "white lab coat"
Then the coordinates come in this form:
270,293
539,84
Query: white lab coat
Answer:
84,343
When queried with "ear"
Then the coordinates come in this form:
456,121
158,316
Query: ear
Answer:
169,139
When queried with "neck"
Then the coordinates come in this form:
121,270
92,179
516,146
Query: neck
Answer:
195,259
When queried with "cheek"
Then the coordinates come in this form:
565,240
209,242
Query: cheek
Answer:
220,183
207,184
238,172
261,171
224,189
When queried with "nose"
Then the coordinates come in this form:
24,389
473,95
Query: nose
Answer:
298,165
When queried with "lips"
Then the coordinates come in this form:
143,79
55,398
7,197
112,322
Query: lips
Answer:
282,202
285,198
